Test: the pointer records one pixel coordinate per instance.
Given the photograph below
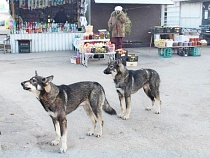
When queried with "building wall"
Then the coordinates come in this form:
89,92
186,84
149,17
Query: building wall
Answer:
190,14
171,14
183,13
4,10
142,16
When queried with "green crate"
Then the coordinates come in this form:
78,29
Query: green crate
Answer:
165,52
195,51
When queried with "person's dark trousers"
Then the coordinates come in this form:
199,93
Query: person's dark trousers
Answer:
118,44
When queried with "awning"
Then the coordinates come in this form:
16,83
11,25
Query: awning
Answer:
136,1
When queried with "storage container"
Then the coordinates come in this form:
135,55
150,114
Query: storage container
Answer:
180,43
185,44
132,58
175,43
165,52
195,51
169,43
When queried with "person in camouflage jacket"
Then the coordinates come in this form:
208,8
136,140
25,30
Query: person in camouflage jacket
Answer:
116,25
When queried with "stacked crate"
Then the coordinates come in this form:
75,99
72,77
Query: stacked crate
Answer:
165,52
195,51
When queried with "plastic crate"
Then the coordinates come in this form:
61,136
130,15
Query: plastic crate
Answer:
165,52
184,51
195,51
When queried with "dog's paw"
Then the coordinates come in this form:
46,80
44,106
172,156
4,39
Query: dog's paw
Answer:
157,112
63,149
98,135
54,142
148,109
125,117
90,133
121,115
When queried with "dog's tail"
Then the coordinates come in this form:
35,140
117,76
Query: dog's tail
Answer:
108,109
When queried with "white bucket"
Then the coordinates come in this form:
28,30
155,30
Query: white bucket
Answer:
169,43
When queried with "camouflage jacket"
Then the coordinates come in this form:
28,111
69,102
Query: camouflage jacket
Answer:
116,24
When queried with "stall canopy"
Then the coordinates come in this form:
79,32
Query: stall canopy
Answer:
136,1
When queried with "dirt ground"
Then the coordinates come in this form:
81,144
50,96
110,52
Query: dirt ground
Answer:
181,130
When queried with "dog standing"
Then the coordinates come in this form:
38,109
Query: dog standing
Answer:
128,82
61,100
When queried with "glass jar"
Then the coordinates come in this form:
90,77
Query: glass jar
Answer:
107,35
90,36
101,35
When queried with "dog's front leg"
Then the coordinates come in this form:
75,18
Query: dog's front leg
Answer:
122,102
63,127
122,107
128,107
57,132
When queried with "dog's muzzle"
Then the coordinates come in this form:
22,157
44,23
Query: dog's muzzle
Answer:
24,87
107,71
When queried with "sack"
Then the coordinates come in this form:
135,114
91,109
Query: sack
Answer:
128,25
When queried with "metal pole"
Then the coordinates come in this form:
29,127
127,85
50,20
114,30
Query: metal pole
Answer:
89,12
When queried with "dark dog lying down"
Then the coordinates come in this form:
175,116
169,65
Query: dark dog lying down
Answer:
61,100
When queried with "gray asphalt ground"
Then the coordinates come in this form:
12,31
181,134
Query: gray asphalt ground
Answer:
182,130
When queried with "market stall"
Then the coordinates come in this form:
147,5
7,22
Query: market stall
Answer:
45,41
37,21
94,44
183,45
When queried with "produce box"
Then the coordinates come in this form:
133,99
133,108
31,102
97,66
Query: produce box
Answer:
132,58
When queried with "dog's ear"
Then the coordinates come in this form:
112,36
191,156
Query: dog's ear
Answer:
47,79
36,73
111,59
119,61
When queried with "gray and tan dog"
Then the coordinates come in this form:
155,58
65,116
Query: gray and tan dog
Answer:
128,82
61,100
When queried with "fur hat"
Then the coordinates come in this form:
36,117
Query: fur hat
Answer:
118,8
